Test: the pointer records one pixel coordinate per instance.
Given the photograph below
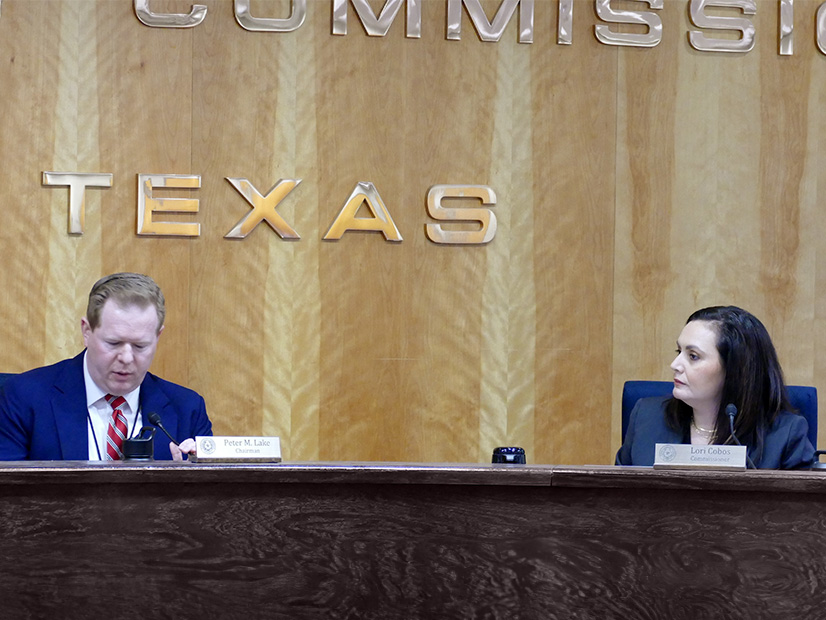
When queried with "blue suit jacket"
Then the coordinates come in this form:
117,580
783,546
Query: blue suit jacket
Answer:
43,414
785,445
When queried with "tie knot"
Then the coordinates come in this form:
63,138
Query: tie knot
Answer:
115,401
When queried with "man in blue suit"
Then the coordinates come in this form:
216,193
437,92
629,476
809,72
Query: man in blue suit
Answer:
83,408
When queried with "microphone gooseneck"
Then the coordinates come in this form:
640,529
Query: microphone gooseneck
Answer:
155,418
731,412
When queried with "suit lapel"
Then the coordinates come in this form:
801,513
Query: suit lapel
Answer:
153,400
71,415
70,412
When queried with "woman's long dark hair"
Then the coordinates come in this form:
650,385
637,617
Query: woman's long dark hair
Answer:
754,380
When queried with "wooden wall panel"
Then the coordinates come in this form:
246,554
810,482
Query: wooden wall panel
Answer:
733,201
573,166
236,135
402,334
74,118
146,121
787,204
633,186
815,223
28,72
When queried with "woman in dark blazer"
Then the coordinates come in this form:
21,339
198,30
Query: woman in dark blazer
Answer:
724,356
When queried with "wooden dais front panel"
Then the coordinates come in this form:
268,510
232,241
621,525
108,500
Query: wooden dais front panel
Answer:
387,541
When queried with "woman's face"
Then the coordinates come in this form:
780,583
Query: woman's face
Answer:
698,370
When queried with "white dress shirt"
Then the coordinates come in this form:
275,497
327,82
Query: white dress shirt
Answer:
100,412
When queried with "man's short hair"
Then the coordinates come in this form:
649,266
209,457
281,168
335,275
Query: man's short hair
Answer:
126,289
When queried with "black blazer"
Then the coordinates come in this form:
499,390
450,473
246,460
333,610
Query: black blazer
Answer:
785,444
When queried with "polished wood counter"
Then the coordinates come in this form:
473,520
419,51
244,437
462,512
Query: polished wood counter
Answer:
403,541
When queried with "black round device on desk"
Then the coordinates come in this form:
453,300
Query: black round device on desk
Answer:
142,447
512,455
817,464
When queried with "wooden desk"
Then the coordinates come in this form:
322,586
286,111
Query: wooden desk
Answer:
402,541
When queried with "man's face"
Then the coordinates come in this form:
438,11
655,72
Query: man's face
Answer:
120,350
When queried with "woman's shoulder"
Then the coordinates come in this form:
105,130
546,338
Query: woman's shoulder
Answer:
652,403
788,427
786,444
785,419
650,411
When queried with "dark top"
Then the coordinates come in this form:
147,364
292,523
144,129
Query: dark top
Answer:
43,413
785,444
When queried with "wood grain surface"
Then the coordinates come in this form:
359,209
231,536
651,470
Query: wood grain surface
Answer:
259,542
633,186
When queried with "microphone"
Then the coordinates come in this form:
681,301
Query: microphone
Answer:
731,411
155,419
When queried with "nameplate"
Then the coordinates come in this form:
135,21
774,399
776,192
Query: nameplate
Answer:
237,450
686,456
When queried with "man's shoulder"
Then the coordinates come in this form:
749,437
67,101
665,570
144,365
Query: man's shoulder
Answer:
48,373
173,391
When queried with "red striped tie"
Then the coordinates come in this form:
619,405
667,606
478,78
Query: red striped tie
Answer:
117,429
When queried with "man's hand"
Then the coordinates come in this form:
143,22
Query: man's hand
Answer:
187,446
